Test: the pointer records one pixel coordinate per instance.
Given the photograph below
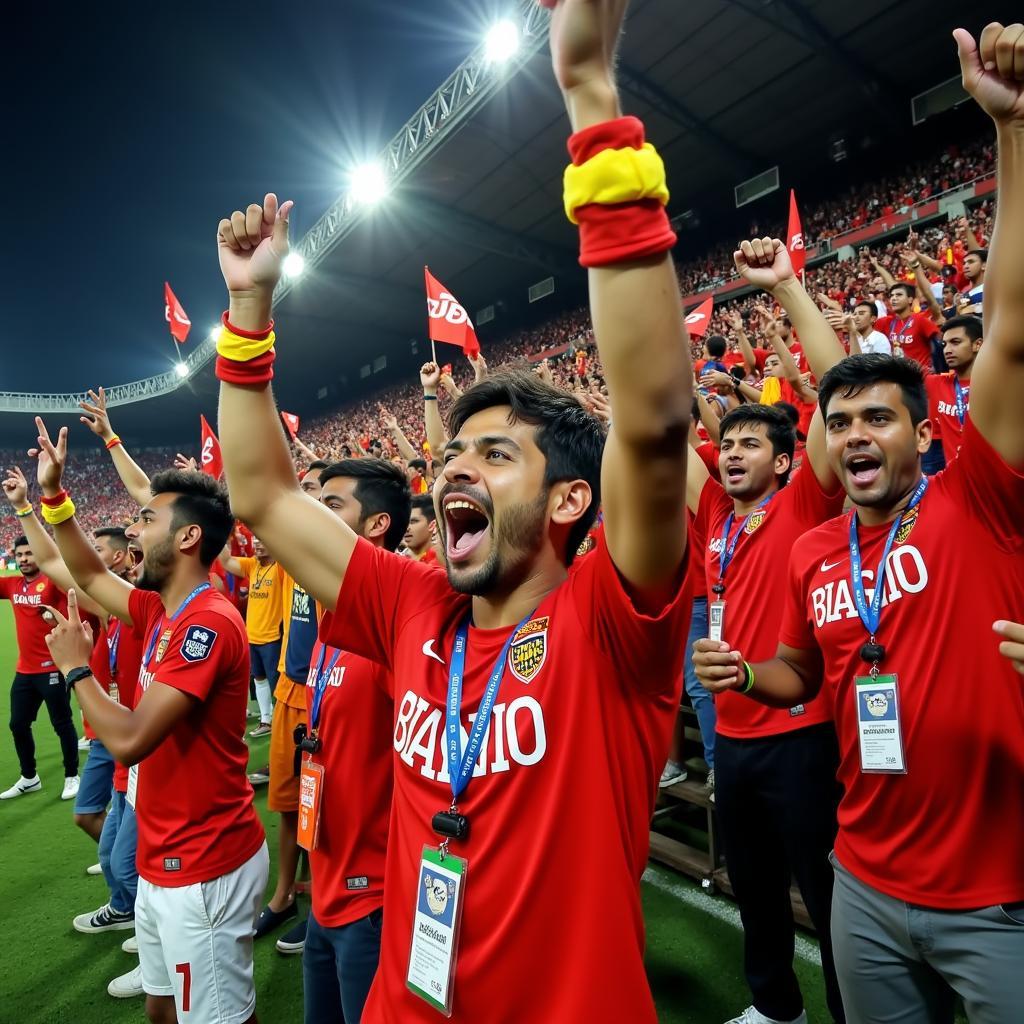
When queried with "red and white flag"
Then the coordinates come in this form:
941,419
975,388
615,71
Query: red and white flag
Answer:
697,320
175,315
795,237
291,421
447,319
209,454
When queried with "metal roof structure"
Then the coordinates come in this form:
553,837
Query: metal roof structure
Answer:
726,88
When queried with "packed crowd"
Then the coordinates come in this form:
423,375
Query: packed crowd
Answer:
779,527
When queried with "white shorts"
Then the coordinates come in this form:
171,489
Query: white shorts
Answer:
195,942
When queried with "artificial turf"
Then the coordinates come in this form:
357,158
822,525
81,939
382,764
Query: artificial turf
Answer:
51,974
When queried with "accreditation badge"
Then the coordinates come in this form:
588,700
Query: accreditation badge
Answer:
435,928
716,620
311,791
879,728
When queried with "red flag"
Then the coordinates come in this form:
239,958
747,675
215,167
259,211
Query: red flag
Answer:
209,455
795,236
291,421
175,315
697,320
447,320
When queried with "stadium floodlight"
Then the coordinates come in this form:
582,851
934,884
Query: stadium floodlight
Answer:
181,370
293,264
215,332
502,42
369,183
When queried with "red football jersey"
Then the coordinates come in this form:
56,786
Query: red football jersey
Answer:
355,733
755,588
27,598
559,803
193,800
957,566
942,411
914,335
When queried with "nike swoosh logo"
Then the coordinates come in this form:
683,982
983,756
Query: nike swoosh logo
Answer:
826,567
431,653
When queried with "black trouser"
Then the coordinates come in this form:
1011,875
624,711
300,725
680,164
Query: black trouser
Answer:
777,800
28,692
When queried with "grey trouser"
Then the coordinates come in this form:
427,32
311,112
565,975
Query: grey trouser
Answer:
903,964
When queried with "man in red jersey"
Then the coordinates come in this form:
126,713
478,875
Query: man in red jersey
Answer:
36,678
774,770
909,333
512,678
914,921
949,394
194,937
347,757
421,536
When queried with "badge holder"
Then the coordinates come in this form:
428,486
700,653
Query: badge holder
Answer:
879,723
311,791
437,925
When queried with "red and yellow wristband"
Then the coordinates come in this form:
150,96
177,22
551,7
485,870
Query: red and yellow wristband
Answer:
616,191
58,509
245,357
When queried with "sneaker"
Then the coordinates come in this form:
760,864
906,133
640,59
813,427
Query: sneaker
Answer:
131,944
260,778
709,785
671,774
128,985
22,786
293,940
83,743
263,729
70,790
269,919
94,869
106,919
751,1015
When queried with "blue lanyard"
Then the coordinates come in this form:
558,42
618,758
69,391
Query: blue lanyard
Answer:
113,643
729,545
961,399
460,765
184,604
871,615
322,679
902,332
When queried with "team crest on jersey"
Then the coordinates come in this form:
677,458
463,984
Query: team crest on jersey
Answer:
161,647
756,519
908,524
198,643
40,587
529,649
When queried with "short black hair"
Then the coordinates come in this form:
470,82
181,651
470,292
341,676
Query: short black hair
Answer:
779,429
115,534
420,464
716,346
380,487
21,541
425,503
982,254
317,464
904,287
202,501
570,438
787,321
971,324
853,374
868,305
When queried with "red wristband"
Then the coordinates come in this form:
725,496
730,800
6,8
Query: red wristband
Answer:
255,371
622,231
57,499
254,335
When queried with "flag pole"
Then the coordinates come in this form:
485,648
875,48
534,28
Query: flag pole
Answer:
433,353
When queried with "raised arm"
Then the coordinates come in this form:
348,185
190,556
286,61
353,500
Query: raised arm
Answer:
915,261
746,349
83,562
390,423
313,545
882,272
993,73
304,449
134,478
437,436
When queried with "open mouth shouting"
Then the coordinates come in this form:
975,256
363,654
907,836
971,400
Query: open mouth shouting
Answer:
863,469
466,526
734,473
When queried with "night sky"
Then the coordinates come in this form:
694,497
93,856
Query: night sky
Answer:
129,130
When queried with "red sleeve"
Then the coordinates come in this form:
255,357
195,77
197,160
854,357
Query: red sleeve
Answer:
760,358
806,502
924,328
647,649
713,503
796,629
6,586
991,490
709,456
201,644
882,325
379,592
142,606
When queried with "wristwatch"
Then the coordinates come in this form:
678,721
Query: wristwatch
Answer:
77,674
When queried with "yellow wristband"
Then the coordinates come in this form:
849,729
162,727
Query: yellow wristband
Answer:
615,176
21,513
59,513
241,350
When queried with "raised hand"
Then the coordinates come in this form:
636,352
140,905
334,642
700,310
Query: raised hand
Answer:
51,458
70,641
252,246
735,320
16,488
992,69
430,376
764,262
97,419
185,462
387,419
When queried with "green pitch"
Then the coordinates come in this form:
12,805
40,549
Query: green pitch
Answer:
51,974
